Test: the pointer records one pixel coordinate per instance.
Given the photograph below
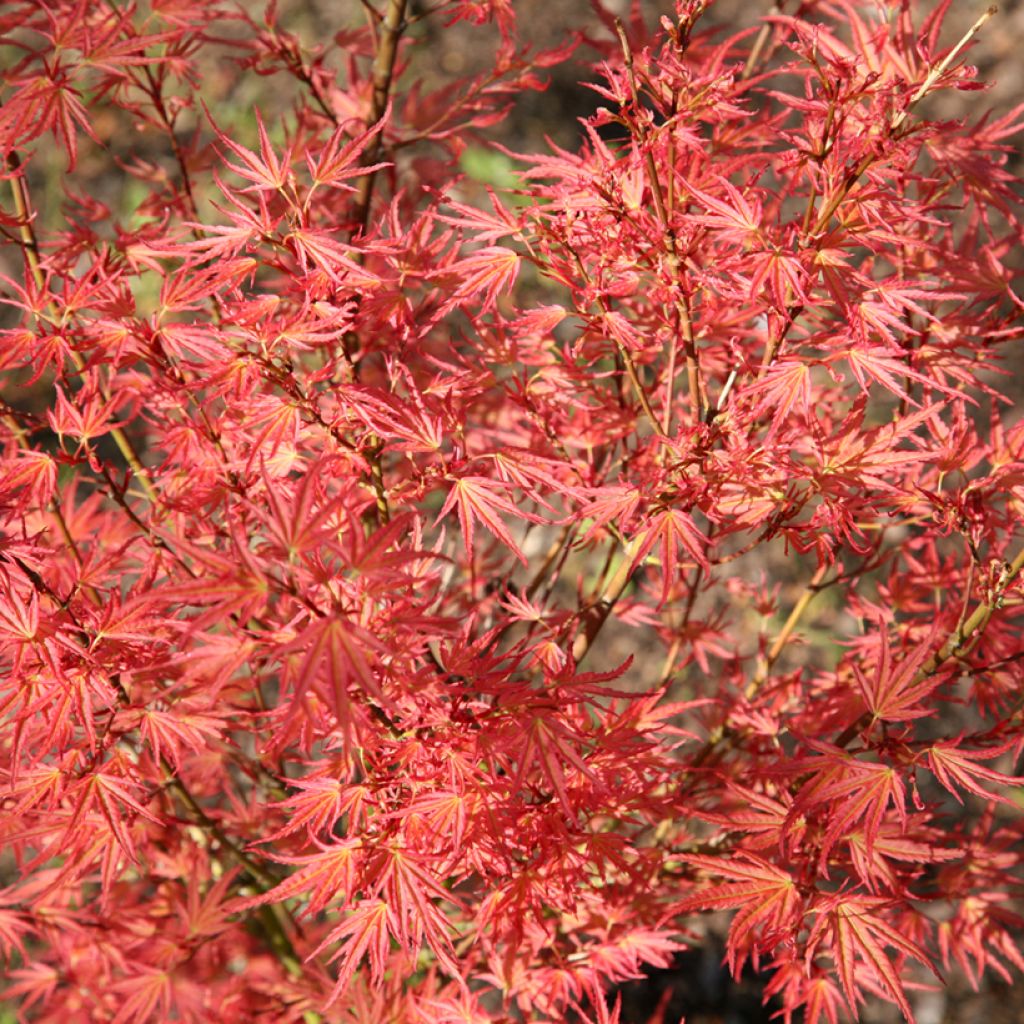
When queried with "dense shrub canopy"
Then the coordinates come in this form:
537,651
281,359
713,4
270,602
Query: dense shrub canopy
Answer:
422,602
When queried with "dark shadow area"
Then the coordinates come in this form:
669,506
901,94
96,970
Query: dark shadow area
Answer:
699,988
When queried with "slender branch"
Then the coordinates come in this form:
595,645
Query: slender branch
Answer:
30,246
936,72
857,171
559,544
275,917
722,732
966,632
668,665
594,617
391,28
624,354
682,305
779,645
754,57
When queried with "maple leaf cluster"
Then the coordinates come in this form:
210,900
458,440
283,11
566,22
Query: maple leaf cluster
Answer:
429,605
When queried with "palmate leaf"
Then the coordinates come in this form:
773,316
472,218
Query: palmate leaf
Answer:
781,276
19,617
13,926
873,455
266,171
675,533
847,795
483,275
147,995
911,844
33,983
367,930
445,814
33,473
486,226
785,387
534,476
765,817
294,522
336,161
168,731
48,104
410,888
109,794
480,499
958,770
736,220
858,935
982,934
880,366
765,896
895,690
314,247
319,803
552,747
337,654
823,1000
409,426
616,505
383,554
633,948
326,876
809,987
274,427
403,909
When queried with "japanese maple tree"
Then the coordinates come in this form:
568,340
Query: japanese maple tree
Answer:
422,602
